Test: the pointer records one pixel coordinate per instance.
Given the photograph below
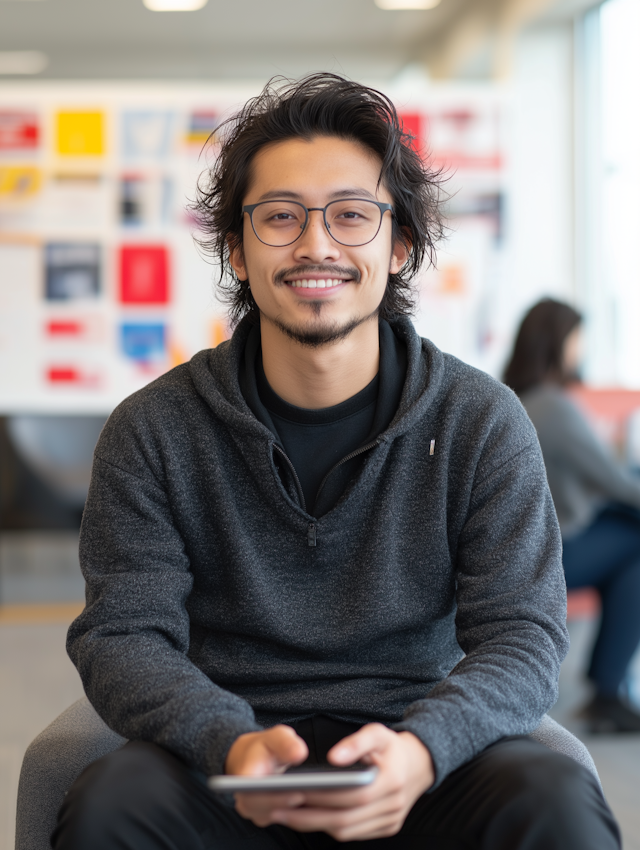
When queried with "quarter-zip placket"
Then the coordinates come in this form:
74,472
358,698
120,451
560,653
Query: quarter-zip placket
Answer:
311,528
345,459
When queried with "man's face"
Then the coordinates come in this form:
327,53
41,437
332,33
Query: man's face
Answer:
314,173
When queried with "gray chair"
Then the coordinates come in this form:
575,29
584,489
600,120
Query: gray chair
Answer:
78,737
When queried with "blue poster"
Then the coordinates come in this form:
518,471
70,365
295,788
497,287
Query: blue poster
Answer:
144,343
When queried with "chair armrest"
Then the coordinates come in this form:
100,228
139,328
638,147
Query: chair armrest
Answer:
52,763
559,739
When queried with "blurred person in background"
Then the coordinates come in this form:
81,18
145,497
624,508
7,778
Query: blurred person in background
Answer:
596,499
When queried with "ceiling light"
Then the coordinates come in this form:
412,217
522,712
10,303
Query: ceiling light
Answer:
174,5
396,5
22,61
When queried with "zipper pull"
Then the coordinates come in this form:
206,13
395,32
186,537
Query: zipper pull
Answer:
311,534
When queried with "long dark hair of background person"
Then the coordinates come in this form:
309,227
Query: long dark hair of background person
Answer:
538,349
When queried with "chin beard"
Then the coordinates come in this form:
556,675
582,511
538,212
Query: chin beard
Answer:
326,334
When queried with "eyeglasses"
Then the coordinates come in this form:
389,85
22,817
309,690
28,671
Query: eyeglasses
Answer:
350,221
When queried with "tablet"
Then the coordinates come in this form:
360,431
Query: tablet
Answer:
313,778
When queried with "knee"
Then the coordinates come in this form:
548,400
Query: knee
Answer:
561,797
550,779
535,783
127,785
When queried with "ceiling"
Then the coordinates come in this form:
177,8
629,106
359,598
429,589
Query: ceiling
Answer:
255,39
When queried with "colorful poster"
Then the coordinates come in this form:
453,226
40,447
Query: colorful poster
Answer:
19,181
144,342
202,123
72,270
19,131
80,133
465,139
73,375
412,123
144,199
144,274
81,329
219,331
146,134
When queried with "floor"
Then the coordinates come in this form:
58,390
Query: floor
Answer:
37,680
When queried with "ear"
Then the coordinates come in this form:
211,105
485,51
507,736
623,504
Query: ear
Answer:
236,259
400,251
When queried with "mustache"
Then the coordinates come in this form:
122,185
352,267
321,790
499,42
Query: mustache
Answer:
318,268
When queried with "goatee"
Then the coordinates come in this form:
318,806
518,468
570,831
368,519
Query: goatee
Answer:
323,334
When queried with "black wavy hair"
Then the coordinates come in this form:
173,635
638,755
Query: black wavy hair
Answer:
538,350
320,104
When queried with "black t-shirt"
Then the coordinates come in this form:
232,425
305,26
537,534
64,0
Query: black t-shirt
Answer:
316,440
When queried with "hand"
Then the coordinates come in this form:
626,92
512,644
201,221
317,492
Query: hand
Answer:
375,811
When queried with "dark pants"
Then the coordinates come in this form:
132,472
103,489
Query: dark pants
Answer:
607,556
516,795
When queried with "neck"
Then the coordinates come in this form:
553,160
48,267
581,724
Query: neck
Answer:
320,377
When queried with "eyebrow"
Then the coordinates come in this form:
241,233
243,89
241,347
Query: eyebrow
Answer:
284,194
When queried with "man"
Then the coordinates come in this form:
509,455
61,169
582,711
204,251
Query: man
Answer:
324,538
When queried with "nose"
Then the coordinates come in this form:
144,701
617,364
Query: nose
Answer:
316,245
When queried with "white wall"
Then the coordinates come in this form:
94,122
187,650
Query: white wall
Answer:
540,215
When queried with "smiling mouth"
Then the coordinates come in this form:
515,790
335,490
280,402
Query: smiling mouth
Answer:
328,283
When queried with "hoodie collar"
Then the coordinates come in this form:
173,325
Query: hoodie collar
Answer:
393,370
216,377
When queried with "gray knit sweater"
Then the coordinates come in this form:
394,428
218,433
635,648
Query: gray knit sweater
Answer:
430,598
583,473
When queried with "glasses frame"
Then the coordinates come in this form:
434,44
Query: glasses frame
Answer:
249,208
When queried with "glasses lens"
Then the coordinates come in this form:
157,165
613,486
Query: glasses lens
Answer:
353,222
278,223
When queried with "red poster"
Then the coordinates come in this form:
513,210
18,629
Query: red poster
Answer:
411,122
68,376
64,328
144,274
18,131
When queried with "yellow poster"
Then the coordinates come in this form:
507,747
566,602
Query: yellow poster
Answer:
19,181
80,133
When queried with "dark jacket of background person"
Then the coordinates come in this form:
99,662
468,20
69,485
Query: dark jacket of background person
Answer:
583,473
431,597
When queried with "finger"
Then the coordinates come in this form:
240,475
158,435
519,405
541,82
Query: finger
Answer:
372,738
308,819
286,745
281,800
272,751
340,799
259,808
382,827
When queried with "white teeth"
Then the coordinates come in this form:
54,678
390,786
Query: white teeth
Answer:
315,284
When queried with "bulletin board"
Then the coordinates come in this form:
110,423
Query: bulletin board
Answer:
102,287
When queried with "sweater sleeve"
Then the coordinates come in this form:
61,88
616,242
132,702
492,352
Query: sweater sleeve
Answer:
130,644
510,619
567,438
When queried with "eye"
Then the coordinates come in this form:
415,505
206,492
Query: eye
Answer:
352,215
